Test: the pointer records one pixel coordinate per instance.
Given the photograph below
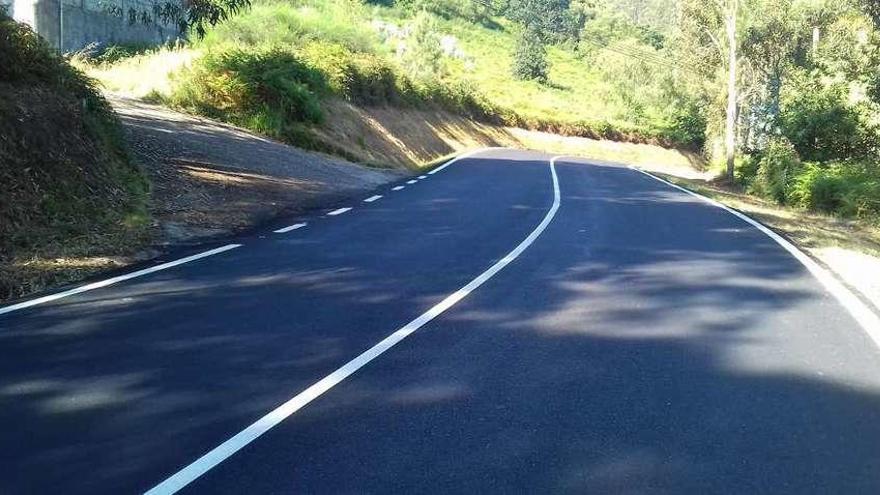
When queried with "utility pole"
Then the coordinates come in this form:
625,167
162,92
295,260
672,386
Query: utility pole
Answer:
730,124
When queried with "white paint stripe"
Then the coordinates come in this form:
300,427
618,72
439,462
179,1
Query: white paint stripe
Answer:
868,319
373,198
115,280
397,188
423,177
462,157
338,212
223,451
292,227
411,181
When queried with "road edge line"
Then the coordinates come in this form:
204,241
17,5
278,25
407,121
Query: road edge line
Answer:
114,280
220,453
864,315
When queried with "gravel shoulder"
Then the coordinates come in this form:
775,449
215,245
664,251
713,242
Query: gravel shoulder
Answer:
212,179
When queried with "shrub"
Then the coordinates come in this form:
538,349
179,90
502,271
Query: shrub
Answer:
746,169
294,24
843,188
67,186
355,76
422,55
777,165
268,90
530,56
822,125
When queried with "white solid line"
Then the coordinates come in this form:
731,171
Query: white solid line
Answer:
116,280
411,181
338,212
868,319
373,198
223,451
397,188
288,229
462,157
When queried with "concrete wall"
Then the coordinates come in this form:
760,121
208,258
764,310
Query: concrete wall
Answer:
87,22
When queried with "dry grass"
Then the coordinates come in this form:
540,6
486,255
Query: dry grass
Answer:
413,138
140,76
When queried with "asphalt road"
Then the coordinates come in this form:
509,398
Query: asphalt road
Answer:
623,337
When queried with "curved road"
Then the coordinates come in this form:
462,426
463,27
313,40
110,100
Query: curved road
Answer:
614,335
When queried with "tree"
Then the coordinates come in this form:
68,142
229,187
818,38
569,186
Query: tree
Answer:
708,38
192,15
530,56
422,54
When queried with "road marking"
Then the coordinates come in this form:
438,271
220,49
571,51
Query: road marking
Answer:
423,177
397,188
338,212
868,319
116,280
463,156
288,229
226,449
373,198
411,181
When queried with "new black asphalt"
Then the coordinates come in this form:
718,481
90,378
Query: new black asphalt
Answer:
647,342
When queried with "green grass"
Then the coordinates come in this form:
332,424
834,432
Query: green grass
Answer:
596,95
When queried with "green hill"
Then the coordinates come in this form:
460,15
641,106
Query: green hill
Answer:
437,55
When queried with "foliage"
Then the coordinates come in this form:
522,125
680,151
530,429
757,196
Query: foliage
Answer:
292,24
64,171
271,91
821,123
848,189
548,19
776,167
530,56
422,55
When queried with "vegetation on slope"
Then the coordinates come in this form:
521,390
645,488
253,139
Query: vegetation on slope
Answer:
807,117
67,188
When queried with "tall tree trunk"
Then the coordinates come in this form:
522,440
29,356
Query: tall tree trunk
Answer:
730,126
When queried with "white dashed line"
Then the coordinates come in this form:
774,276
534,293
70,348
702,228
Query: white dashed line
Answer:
291,228
373,198
338,212
397,188
411,181
423,177
115,280
226,449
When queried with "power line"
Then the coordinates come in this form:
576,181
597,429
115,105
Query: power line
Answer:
641,55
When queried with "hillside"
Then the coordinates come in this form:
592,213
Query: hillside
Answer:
69,196
374,55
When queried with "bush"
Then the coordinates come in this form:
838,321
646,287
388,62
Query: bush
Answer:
850,190
776,167
355,76
422,56
67,187
746,169
530,57
269,90
822,125
294,24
